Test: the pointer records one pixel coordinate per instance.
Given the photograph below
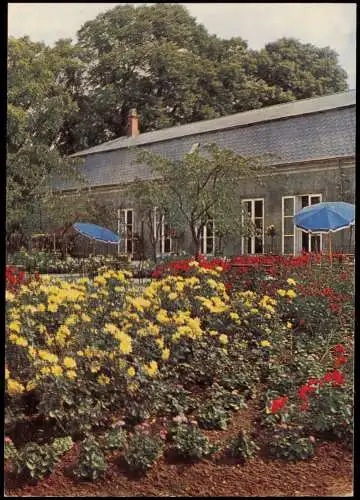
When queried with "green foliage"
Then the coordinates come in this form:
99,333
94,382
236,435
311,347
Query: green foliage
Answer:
62,445
330,410
288,444
115,439
91,462
190,442
242,446
142,451
213,416
10,451
36,460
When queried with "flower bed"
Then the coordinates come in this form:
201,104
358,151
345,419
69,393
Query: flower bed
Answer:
155,371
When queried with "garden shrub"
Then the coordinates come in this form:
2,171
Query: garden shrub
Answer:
242,446
288,444
190,442
213,416
62,445
142,451
91,462
36,460
115,439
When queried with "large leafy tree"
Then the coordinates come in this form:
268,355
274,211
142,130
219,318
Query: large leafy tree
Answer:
300,70
202,186
38,104
158,59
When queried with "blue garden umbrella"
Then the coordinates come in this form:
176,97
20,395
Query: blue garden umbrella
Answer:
95,232
326,217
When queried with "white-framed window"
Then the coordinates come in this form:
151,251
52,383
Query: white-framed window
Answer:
126,230
165,242
254,210
294,239
207,238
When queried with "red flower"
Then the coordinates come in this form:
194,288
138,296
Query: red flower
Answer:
336,377
340,349
339,361
313,381
278,404
305,390
301,322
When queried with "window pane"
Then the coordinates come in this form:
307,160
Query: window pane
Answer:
167,245
248,207
288,206
258,223
305,242
288,245
248,245
258,208
314,200
129,216
209,246
288,225
315,242
304,201
258,245
129,246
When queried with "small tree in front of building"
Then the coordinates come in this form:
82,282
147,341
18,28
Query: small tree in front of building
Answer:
205,184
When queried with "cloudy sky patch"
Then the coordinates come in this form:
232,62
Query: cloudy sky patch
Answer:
323,24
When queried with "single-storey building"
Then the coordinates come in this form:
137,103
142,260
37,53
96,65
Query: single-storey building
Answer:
313,141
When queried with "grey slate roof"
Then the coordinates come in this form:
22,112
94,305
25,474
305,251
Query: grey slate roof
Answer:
314,128
276,112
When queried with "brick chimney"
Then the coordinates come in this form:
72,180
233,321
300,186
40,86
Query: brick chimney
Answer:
133,128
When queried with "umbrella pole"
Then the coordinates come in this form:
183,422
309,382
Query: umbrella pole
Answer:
350,235
330,248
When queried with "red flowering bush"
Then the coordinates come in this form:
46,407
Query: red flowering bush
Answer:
14,278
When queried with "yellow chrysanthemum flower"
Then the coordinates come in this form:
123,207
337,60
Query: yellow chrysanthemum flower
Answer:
289,325
103,379
69,362
223,338
265,343
14,387
9,297
291,294
165,354
291,282
281,292
15,326
48,356
151,368
71,374
131,371
57,370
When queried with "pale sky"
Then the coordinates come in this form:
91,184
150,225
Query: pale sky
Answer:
323,24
